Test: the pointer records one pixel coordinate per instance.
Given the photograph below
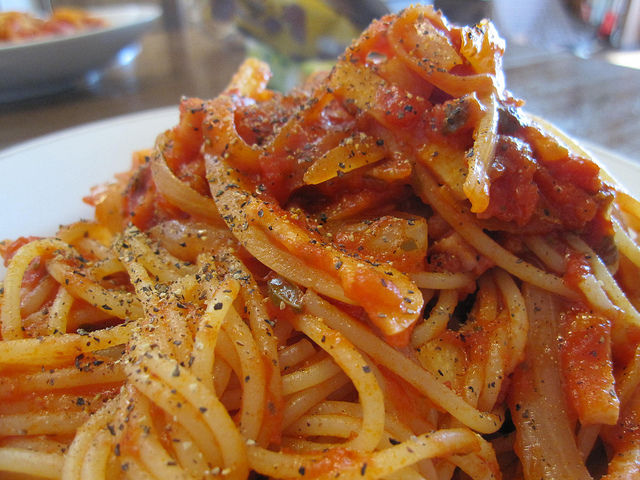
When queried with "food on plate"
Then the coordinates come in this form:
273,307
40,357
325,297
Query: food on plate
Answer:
21,26
389,272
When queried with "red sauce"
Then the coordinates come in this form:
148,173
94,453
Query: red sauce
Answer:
513,194
37,269
577,268
333,461
187,137
408,403
9,248
144,207
587,366
282,162
568,184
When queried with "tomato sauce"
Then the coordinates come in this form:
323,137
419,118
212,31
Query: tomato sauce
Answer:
513,194
333,461
587,365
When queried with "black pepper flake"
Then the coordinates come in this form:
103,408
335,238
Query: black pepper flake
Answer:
302,470
393,441
366,369
176,371
78,360
218,306
363,469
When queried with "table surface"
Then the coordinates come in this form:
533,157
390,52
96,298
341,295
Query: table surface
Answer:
589,99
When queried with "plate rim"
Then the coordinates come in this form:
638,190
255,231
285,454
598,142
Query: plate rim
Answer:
85,128
46,178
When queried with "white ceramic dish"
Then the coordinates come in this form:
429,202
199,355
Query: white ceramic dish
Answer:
51,64
43,181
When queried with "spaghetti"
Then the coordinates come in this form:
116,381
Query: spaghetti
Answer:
389,272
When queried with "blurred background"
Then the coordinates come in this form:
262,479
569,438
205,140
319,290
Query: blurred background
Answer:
584,27
567,50
605,29
297,36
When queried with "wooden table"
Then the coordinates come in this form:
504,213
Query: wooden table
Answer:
590,99
171,64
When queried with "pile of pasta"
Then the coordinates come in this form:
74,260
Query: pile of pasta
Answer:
21,26
388,272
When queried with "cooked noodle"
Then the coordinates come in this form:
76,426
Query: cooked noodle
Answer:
389,272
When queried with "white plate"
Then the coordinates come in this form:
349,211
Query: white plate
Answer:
54,63
43,181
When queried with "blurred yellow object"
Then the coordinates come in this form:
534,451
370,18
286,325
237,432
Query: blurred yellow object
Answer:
301,29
